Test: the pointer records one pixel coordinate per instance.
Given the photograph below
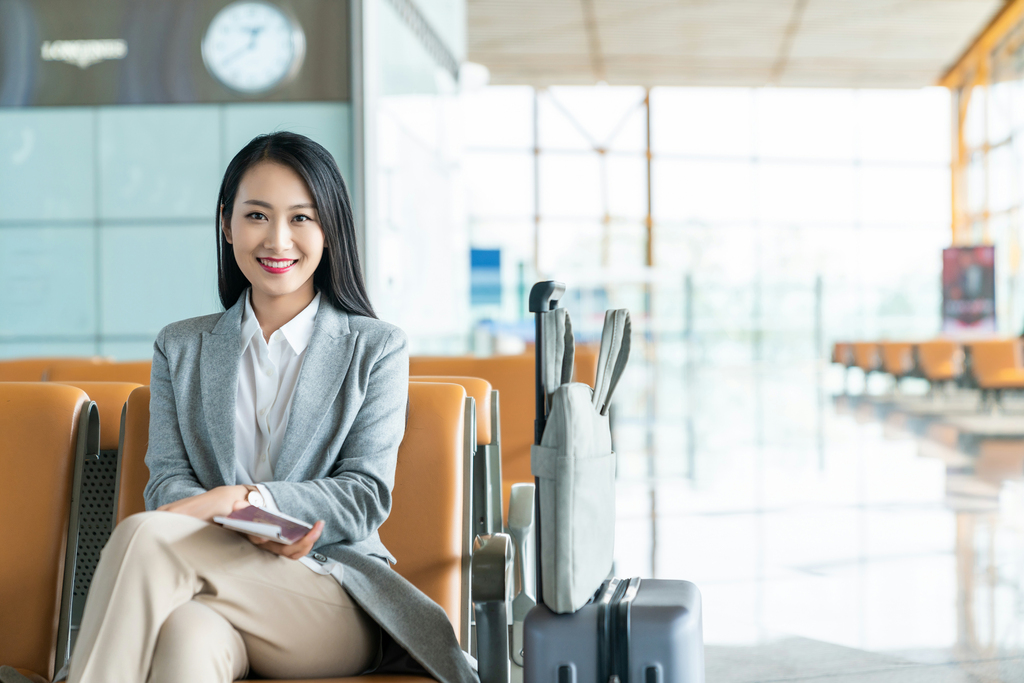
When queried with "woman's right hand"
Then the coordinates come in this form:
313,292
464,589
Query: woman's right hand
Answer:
296,550
205,506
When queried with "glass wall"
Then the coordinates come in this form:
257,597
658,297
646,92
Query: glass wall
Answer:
988,156
417,238
746,230
107,225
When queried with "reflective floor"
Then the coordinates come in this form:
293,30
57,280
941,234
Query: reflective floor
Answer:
855,550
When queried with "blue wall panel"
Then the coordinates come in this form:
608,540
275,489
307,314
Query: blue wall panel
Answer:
47,164
48,282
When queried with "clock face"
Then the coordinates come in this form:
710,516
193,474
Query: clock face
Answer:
252,46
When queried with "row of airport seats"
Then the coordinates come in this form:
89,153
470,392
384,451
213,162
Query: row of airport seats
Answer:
992,365
76,467
512,376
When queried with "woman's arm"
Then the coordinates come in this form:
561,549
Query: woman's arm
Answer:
171,476
356,498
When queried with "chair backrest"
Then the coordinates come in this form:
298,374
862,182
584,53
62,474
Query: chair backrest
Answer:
989,356
32,369
865,355
132,473
480,391
585,363
513,378
98,488
47,431
940,359
136,372
897,358
842,353
426,529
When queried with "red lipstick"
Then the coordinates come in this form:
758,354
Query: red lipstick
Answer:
271,269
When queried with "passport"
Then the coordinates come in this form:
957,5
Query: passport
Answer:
270,525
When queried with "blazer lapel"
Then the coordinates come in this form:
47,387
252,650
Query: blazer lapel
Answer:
323,371
218,381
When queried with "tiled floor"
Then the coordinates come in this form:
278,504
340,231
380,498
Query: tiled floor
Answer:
842,554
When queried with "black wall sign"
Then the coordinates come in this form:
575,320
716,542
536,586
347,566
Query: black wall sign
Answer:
70,52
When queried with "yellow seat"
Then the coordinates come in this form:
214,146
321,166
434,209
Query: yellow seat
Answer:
939,360
48,429
842,353
426,528
33,369
136,372
897,358
132,473
866,356
996,363
513,378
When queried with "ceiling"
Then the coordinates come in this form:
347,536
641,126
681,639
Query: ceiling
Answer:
815,43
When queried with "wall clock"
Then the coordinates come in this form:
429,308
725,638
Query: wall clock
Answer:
252,46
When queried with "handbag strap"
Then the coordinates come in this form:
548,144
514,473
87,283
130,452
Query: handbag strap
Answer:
558,347
615,344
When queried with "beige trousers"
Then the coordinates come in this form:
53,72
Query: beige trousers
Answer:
175,599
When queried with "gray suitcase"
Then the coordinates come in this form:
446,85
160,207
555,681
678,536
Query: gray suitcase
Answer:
634,631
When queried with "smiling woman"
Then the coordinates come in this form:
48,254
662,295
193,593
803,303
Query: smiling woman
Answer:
280,188
292,400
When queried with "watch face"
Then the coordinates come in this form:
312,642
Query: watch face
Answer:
252,46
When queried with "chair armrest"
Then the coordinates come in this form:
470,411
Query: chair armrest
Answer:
492,586
522,527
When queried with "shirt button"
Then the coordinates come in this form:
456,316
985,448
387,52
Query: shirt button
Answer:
270,372
263,456
263,412
319,558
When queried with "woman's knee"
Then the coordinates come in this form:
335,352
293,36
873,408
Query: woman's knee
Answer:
144,529
196,643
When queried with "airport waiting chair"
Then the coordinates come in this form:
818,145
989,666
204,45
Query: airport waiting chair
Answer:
938,360
994,365
99,484
483,441
132,473
33,369
866,357
487,494
842,353
585,363
897,358
136,372
426,529
49,431
513,378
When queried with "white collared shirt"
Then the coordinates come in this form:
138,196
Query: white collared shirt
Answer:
266,386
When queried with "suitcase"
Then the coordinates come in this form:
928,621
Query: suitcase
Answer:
633,630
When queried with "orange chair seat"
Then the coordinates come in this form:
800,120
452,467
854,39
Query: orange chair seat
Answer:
865,356
940,360
897,358
1008,378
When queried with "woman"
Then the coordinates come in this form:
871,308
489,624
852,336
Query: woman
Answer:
293,399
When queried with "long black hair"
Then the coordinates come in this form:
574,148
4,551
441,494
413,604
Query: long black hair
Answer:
339,275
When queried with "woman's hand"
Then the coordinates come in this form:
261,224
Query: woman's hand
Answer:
294,551
219,501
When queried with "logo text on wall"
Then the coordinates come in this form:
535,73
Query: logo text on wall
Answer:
83,53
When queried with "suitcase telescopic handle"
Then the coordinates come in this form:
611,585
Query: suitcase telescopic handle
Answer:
544,296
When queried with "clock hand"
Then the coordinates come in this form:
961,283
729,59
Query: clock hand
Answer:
253,35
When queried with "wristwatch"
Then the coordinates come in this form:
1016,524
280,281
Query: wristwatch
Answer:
254,497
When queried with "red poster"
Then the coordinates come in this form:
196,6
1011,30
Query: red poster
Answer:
968,289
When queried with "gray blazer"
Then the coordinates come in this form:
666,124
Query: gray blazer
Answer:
337,460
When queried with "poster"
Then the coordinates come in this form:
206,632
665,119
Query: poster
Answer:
968,290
